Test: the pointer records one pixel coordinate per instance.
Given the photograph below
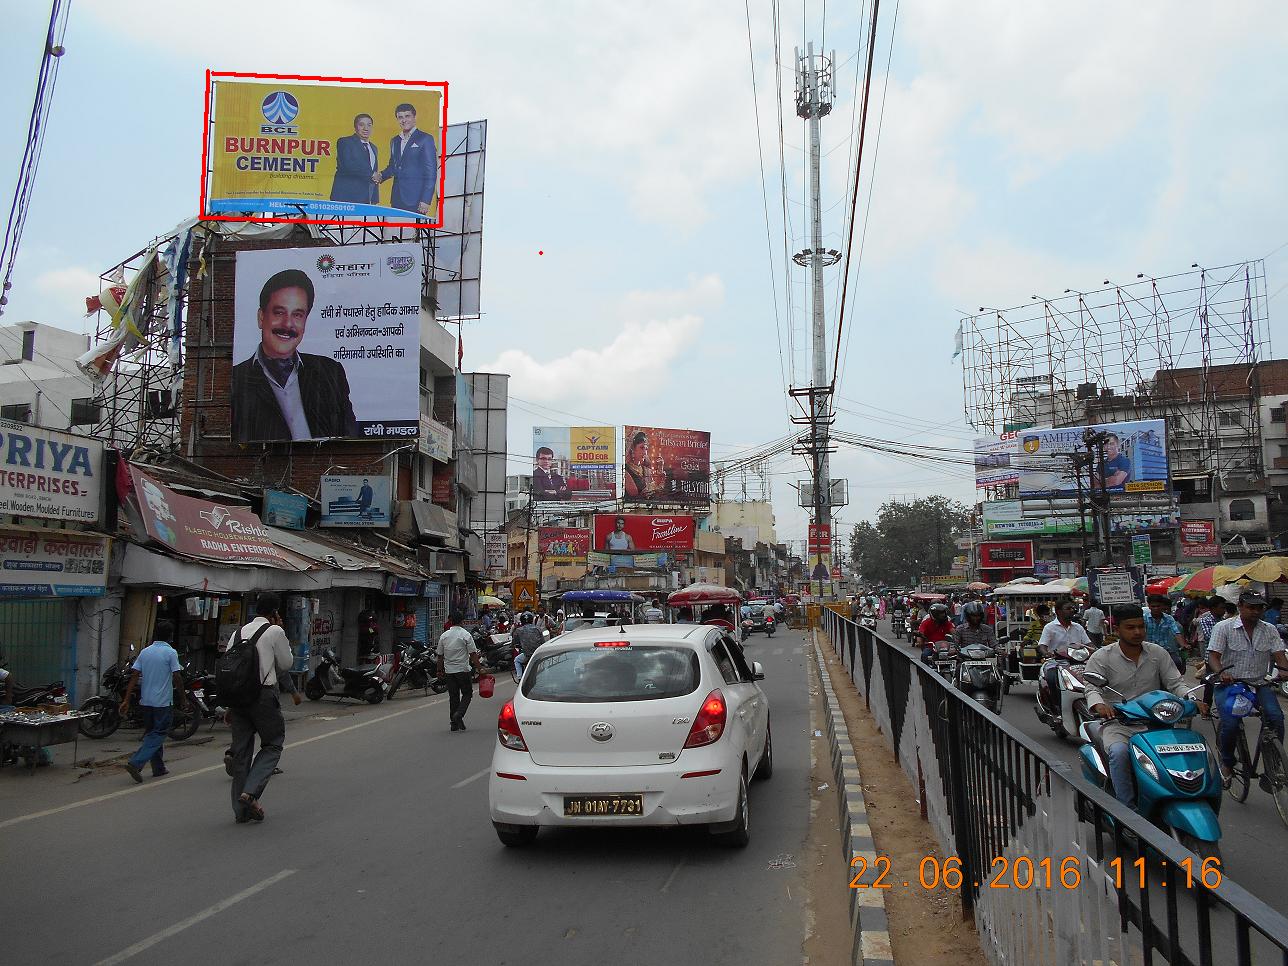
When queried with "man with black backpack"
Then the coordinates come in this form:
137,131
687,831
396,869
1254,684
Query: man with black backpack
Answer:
246,677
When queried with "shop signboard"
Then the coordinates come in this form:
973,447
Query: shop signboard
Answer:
326,343
1008,518
285,510
495,545
1046,569
52,563
47,474
443,488
327,153
435,439
563,546
819,539
574,463
637,561
199,528
666,466
1198,540
642,532
1135,459
396,586
994,465
1006,554
1142,552
355,501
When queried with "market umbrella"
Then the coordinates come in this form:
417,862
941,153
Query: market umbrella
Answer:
1200,582
978,585
1266,570
1079,586
1022,580
486,601
1162,586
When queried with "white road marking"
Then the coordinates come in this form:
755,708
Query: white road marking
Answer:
135,789
473,778
206,913
671,878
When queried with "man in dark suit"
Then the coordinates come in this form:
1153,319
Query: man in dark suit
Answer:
280,392
413,164
356,161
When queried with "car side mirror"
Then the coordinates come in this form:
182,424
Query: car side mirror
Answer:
757,672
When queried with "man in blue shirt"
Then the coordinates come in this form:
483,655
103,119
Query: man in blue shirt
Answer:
1161,629
1117,466
156,675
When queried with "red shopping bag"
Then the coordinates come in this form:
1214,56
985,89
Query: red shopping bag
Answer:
487,684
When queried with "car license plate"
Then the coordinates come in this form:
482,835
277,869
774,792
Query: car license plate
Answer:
581,805
1180,749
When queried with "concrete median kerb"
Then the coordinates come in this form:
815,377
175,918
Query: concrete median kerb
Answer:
871,946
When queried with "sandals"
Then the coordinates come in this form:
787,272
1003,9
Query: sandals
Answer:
252,808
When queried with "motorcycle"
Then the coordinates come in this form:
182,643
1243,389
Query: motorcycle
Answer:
1178,782
899,623
417,668
204,696
942,659
868,621
331,680
103,711
1066,715
977,675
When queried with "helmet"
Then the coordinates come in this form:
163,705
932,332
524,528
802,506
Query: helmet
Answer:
973,607
526,617
939,607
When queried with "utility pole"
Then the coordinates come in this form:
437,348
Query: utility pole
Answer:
813,103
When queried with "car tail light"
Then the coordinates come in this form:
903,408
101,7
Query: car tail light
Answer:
709,725
507,728
612,643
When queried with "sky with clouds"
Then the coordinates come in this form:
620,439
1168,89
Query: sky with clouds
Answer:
1023,148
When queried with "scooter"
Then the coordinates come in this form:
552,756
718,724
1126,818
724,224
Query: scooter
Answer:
978,675
1178,783
1066,715
331,680
869,621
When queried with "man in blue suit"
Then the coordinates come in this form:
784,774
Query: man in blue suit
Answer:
413,164
356,164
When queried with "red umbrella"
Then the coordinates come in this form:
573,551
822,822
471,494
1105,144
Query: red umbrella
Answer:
1161,586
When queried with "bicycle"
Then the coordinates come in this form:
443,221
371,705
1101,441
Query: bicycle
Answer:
1269,754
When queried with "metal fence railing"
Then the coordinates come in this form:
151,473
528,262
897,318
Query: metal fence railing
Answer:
1052,869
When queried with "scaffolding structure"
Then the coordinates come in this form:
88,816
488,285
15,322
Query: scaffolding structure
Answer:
1184,347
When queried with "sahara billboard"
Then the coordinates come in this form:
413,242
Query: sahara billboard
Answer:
1135,459
562,546
667,466
323,153
574,463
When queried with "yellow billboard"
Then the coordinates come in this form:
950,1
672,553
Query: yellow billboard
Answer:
324,153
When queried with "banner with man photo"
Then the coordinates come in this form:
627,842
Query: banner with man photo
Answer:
324,153
667,466
326,343
574,464
1135,459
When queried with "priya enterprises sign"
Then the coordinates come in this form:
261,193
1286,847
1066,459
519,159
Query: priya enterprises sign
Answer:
48,474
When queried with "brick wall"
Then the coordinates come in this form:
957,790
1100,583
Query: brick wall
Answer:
207,414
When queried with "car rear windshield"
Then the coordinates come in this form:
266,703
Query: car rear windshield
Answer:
637,673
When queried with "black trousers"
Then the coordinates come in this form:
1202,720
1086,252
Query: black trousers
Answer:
460,691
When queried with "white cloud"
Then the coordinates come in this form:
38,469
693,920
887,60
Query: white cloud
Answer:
65,290
657,326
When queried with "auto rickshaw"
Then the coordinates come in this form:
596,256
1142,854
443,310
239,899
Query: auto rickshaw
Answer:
1021,660
708,604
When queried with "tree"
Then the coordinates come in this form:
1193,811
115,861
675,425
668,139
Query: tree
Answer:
909,540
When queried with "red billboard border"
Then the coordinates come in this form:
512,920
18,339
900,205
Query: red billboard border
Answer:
205,149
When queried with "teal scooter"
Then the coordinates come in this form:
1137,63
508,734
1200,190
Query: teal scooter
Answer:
1178,782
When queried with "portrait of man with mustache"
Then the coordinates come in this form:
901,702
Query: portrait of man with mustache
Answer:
280,392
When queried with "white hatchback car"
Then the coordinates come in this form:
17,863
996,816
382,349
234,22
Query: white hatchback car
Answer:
647,724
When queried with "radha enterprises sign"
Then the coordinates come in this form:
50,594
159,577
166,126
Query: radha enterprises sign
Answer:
49,474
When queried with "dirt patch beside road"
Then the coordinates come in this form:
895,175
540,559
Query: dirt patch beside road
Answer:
926,925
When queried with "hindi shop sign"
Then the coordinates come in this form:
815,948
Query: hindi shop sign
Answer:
48,474
820,538
1008,554
52,564
326,343
209,531
1198,540
435,439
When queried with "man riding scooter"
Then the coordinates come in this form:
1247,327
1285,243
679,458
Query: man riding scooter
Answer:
934,630
1130,668
1059,634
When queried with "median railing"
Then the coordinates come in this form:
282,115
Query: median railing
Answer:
1052,869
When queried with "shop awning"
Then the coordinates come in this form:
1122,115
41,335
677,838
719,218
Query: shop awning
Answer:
141,567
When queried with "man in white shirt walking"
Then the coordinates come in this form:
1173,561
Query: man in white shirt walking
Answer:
263,718
1093,618
457,653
